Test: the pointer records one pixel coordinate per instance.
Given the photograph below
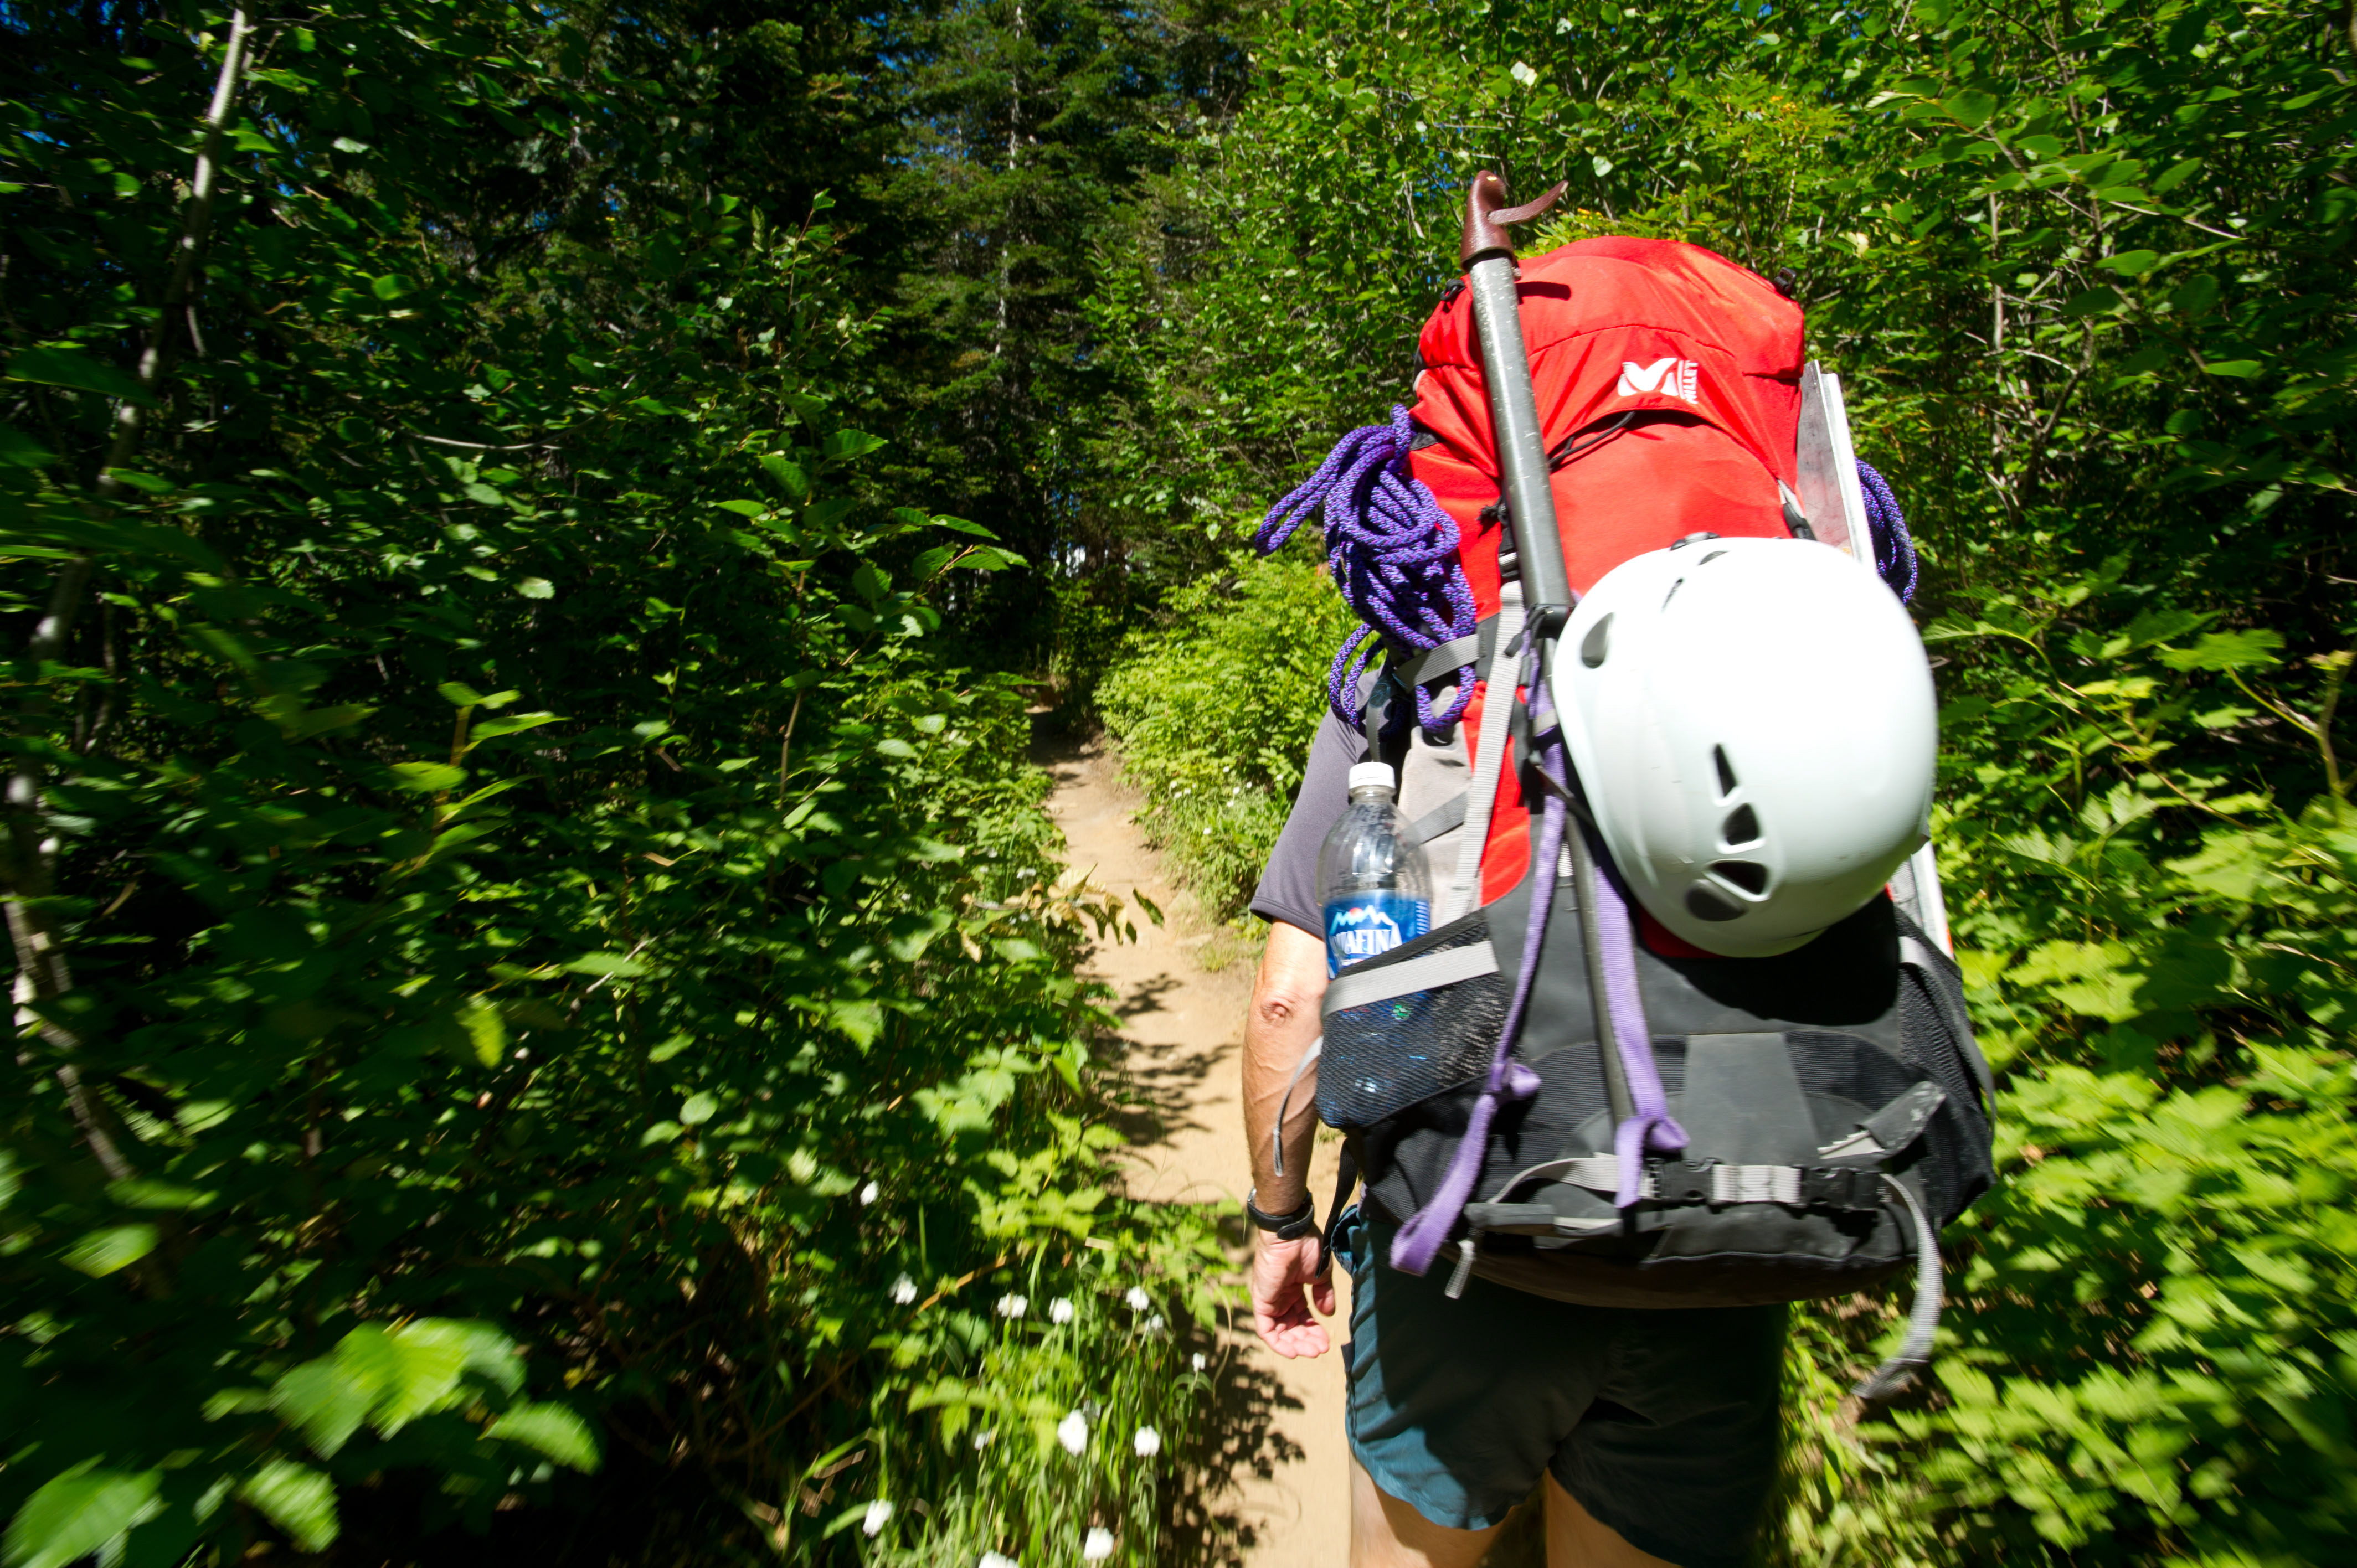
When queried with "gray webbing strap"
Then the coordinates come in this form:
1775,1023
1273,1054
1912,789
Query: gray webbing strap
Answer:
1357,987
1465,890
1284,1105
1450,657
1444,660
1449,814
1914,1353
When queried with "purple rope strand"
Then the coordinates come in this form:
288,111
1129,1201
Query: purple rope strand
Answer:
1393,552
1894,549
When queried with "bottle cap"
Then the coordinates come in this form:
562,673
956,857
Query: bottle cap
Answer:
1372,775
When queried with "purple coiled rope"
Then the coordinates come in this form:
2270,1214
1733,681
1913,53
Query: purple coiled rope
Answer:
1393,552
1894,550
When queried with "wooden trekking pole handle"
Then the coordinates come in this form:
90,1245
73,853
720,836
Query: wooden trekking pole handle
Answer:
1487,216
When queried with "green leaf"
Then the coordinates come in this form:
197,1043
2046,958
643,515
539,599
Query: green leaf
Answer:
536,588
298,1501
1970,108
427,778
845,445
697,1109
862,1020
961,525
62,367
2133,264
743,507
2227,650
19,450
556,1432
2091,302
493,729
788,474
101,1252
79,1512
392,286
459,694
619,965
487,1030
488,1353
2244,369
142,1192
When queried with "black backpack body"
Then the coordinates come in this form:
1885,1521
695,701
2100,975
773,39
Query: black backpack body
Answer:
1834,1099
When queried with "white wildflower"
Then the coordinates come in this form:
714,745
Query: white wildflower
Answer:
877,1512
1201,1361
1013,1306
1148,1443
1098,1546
1059,1310
982,1439
993,1560
1137,1298
869,1194
1073,1432
904,1290
1523,74
1154,1324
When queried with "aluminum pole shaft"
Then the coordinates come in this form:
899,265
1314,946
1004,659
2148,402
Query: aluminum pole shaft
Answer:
1522,459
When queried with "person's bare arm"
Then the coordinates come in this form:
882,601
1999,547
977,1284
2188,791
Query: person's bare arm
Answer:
1283,1025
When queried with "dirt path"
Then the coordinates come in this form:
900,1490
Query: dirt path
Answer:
1184,1026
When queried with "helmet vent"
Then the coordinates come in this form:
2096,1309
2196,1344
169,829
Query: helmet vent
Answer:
1726,771
1742,827
1704,904
1673,592
1596,644
1747,875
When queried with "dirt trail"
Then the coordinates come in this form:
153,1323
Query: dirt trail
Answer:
1184,1026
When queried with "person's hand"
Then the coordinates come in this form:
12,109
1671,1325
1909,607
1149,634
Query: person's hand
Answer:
1279,1270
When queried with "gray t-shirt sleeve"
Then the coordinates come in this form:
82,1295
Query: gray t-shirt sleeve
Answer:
1288,884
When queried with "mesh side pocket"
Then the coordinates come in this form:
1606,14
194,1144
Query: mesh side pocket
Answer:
1382,1057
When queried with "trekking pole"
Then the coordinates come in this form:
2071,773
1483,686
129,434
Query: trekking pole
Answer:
1487,253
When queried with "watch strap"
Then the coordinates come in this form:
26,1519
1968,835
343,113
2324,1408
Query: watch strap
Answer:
1302,1221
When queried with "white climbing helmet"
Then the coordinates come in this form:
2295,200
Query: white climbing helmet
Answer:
1753,722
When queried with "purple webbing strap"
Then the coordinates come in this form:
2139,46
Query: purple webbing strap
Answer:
1648,1128
1419,1240
1393,552
1894,550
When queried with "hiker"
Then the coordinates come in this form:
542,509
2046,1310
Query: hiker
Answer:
1457,1409
1605,924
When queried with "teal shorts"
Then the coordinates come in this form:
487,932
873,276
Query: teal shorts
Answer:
1665,1425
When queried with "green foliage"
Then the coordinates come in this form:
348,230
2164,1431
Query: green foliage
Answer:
1215,711
526,941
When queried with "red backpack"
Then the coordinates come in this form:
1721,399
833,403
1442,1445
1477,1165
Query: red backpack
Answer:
1668,389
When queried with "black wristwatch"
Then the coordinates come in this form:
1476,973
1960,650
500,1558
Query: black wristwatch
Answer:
1302,1221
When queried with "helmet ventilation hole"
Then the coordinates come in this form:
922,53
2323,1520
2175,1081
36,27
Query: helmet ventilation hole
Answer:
1742,827
1704,904
1749,875
1673,592
1596,644
1726,771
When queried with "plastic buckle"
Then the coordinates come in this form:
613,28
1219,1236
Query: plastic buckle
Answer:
1841,1187
1681,1181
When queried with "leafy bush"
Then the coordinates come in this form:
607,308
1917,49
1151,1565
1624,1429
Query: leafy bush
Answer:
524,947
1215,709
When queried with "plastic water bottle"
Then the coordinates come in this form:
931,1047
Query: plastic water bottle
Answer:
1372,881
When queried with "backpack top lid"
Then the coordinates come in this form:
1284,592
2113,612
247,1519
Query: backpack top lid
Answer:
1708,354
